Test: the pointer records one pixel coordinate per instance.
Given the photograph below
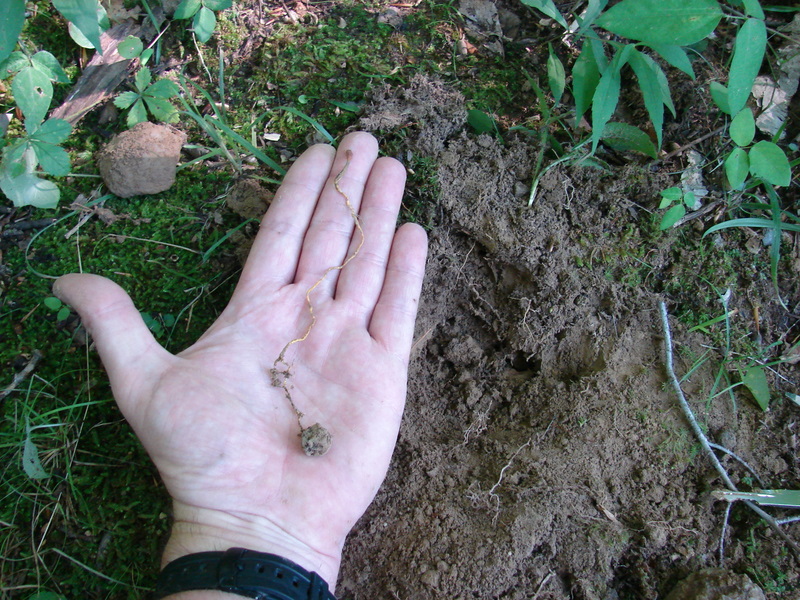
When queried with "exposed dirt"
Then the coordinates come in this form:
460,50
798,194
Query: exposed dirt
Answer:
541,454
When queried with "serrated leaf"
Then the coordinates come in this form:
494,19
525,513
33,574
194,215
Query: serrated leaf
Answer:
748,54
218,4
12,17
752,8
30,461
203,24
755,380
52,131
85,16
164,88
556,76
672,216
666,95
645,71
30,190
161,109
54,160
187,9
48,64
585,77
675,56
606,96
675,22
737,166
548,8
126,99
626,138
480,121
33,93
673,194
719,94
130,47
593,10
137,114
52,303
142,79
743,127
769,162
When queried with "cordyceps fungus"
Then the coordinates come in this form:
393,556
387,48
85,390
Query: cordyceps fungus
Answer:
316,439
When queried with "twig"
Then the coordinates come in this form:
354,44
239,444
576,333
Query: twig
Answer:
702,138
22,375
741,461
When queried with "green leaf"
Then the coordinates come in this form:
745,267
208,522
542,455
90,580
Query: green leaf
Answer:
625,138
647,75
14,63
663,83
33,93
743,127
85,15
753,223
14,158
203,24
137,114
676,56
748,54
53,159
30,460
164,88
63,313
12,17
48,64
737,166
126,99
672,194
672,216
480,121
46,596
769,162
719,94
130,47
593,10
52,131
29,190
161,109
142,79
673,22
187,9
755,380
606,96
78,37
556,76
145,56
752,8
548,8
52,303
218,4
585,77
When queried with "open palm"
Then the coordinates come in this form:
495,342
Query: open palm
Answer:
224,438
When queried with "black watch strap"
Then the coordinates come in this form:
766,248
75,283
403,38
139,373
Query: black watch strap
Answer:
243,572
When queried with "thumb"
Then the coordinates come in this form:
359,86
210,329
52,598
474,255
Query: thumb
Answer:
127,348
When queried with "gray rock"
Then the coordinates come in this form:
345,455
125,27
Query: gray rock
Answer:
716,584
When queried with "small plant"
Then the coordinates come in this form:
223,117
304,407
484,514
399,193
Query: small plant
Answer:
204,21
54,304
152,97
677,202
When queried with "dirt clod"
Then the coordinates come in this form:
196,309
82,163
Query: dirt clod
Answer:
716,584
316,440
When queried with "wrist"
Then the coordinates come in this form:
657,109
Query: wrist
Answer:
201,530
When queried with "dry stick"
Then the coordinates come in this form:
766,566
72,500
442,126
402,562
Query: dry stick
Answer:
676,386
20,377
280,372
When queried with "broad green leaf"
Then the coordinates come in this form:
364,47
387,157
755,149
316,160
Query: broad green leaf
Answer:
606,96
52,303
161,109
480,121
52,131
12,16
719,94
548,8
30,461
748,54
665,202
86,16
737,166
137,114
598,52
666,95
743,127
48,64
556,76
46,596
130,47
33,93
14,63
187,9
585,76
53,159
164,88
625,138
78,37
203,24
218,4
672,216
13,164
145,56
672,194
769,162
63,313
676,56
126,99
651,90
30,190
755,380
673,22
753,9
142,79
593,10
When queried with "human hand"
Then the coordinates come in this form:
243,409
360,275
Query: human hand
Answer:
224,438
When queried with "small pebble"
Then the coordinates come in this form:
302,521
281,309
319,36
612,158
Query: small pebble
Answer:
316,440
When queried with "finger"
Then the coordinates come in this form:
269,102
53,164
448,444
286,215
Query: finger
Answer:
392,322
272,261
332,225
361,280
127,348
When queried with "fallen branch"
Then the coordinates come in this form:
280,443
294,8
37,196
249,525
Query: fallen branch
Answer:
22,375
